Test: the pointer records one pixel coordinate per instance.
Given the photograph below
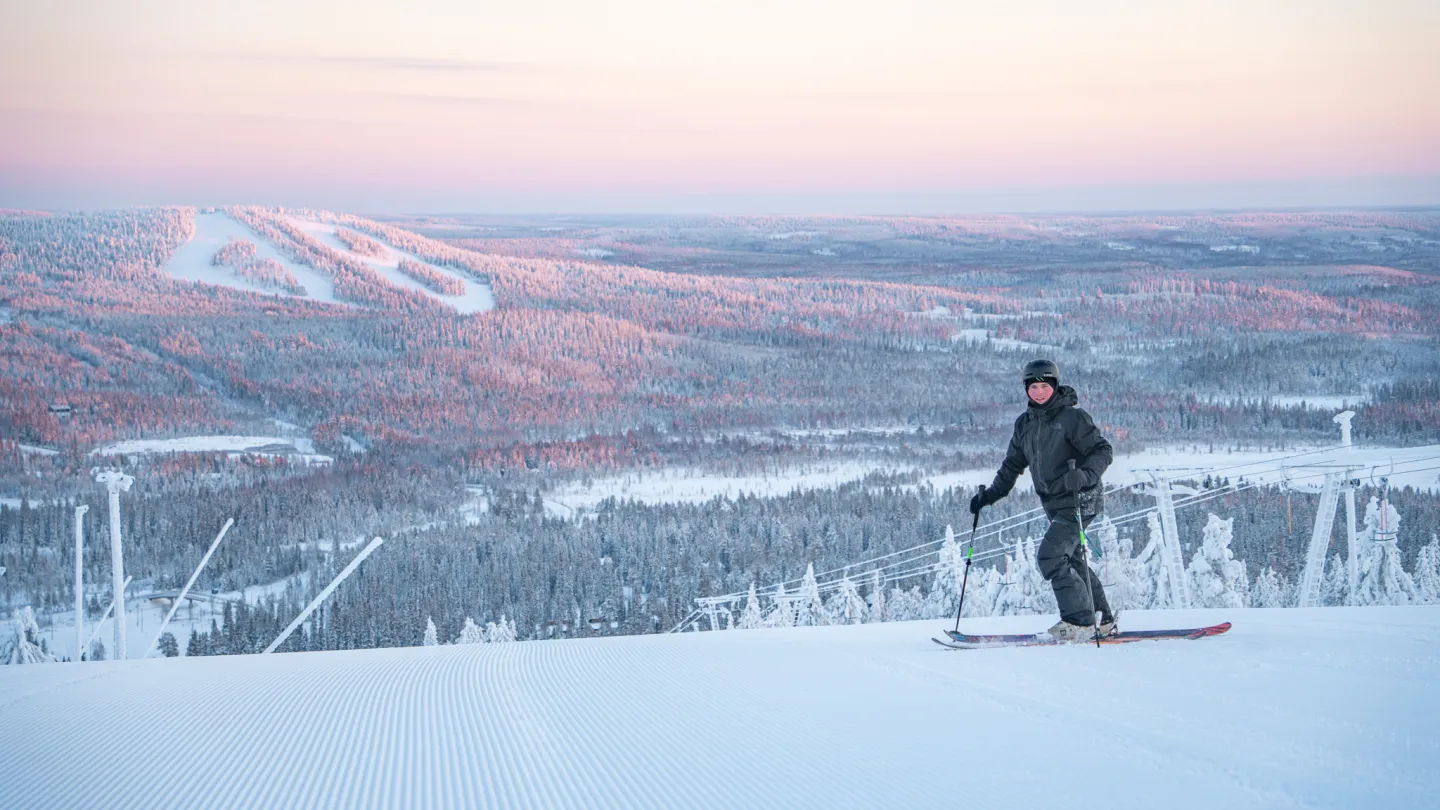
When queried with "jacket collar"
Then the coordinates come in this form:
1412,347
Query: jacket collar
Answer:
1064,397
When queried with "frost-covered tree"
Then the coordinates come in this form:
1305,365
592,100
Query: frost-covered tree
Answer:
1025,591
1155,573
904,605
782,612
471,633
1122,574
1335,587
1217,579
809,610
877,610
982,591
949,573
26,647
846,606
1382,578
503,631
168,646
432,637
750,617
1427,573
1270,590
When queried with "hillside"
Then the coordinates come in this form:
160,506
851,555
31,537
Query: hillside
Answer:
1328,707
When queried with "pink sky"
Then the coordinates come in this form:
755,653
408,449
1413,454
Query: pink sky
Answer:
628,105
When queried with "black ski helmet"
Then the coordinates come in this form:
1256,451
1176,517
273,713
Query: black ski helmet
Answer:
1041,370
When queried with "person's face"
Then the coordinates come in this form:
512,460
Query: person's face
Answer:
1040,392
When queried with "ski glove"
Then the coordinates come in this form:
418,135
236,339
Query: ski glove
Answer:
982,499
1077,479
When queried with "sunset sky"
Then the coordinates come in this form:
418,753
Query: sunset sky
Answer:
633,105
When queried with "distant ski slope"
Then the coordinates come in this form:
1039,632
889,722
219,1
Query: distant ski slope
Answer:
1313,708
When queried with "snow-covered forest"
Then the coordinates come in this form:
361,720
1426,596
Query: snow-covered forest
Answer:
599,352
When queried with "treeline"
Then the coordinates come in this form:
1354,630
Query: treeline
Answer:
642,566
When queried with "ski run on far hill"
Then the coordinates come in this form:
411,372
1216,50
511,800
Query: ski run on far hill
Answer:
1322,707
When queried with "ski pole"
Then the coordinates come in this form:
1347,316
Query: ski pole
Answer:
968,554
1085,558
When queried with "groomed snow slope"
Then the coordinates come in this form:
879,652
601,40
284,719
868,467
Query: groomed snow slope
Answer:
1329,707
192,261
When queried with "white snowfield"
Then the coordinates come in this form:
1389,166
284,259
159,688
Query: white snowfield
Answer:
476,298
300,448
192,261
1319,708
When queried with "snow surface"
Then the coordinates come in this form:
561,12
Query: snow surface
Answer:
477,296
302,448
1320,707
192,261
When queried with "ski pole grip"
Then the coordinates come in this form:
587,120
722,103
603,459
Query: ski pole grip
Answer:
1071,461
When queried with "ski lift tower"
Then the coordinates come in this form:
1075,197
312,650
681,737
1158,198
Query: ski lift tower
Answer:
117,482
1337,482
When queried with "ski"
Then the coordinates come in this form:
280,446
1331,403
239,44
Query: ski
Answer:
961,641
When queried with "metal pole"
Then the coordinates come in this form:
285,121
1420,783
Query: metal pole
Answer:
117,482
180,596
80,582
339,578
1085,556
966,579
103,617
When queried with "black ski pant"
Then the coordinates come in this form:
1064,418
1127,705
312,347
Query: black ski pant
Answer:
1063,566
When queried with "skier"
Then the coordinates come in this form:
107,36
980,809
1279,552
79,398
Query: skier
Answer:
1066,455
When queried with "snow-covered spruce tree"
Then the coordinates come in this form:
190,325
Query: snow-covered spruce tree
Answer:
1382,578
1118,568
432,638
1025,591
809,610
983,591
471,633
949,570
877,610
782,612
1270,591
1335,587
1217,579
1427,573
503,631
1155,574
905,605
750,617
846,606
25,648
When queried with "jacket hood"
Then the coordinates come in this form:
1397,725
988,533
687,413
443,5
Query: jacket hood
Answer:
1064,397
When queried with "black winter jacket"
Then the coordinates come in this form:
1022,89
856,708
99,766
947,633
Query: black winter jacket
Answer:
1047,437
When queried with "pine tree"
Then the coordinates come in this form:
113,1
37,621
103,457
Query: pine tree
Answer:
168,646
471,633
949,572
751,618
432,638
1335,587
1427,573
1217,579
809,610
1270,590
505,631
1026,593
782,613
846,606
